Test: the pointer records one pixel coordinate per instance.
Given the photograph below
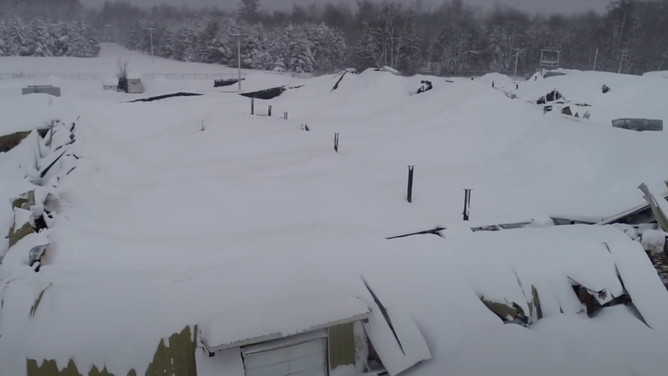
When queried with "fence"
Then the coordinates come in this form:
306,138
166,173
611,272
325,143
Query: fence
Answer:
99,76
292,74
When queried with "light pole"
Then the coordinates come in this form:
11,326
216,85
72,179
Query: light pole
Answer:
150,30
238,35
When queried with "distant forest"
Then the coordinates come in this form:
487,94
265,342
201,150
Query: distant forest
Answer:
451,39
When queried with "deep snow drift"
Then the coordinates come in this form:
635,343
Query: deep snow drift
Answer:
181,208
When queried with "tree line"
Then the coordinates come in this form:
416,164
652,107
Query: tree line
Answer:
451,39
46,28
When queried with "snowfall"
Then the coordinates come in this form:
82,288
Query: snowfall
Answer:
190,210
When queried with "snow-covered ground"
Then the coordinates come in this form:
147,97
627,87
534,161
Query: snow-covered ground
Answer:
182,208
106,63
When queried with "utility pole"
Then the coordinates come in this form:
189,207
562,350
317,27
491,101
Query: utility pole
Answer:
625,55
595,59
517,56
540,62
150,29
238,35
106,36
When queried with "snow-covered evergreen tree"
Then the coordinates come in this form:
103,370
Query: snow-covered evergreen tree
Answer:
256,51
41,38
291,49
3,43
213,44
17,39
256,46
249,10
327,46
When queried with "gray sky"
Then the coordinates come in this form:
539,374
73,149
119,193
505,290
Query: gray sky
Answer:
530,6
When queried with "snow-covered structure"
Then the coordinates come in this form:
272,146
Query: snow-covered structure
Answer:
340,325
171,241
316,333
8,142
131,83
110,83
41,89
135,85
639,125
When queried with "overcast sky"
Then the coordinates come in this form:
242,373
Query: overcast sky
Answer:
530,6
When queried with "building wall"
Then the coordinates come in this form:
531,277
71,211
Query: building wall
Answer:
341,346
135,86
51,90
10,141
177,359
639,125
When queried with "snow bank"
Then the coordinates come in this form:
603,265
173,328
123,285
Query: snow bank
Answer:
630,97
497,78
662,74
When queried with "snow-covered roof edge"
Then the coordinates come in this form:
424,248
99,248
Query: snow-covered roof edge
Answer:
269,337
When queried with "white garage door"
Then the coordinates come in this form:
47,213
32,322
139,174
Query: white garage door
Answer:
305,357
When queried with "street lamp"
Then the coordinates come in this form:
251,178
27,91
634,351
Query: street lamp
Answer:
238,35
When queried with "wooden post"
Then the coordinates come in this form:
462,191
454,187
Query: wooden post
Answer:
336,142
252,106
269,111
51,135
467,204
409,193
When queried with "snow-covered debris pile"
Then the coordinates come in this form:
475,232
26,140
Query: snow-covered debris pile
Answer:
389,69
211,235
658,204
265,94
530,277
44,161
654,241
342,74
552,96
553,73
426,86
